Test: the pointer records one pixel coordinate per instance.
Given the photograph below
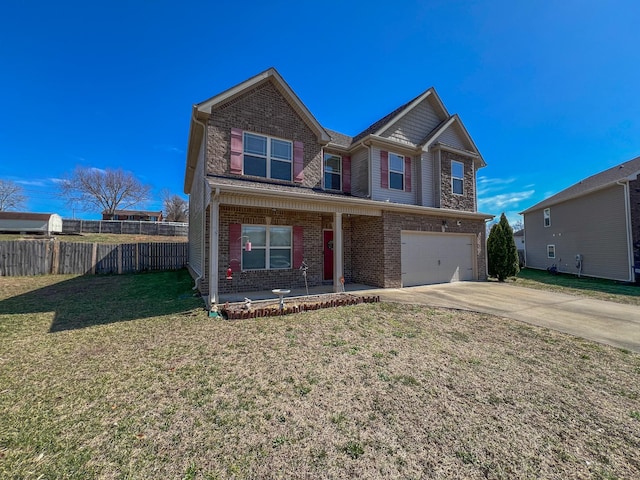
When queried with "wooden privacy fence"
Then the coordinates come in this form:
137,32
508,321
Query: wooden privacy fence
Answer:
42,257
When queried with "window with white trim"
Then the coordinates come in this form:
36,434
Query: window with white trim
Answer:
396,171
547,217
457,177
270,247
332,171
267,157
551,251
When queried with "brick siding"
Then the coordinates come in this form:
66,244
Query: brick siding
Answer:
265,111
394,223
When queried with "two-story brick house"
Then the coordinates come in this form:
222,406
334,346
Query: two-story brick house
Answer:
270,188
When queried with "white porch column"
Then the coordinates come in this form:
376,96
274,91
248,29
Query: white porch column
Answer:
338,253
214,222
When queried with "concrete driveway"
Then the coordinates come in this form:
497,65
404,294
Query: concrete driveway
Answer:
605,322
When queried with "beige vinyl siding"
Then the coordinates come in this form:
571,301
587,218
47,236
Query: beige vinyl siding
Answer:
196,216
389,194
360,173
427,181
594,226
413,127
453,137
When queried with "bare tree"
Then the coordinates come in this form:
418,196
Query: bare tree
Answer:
108,190
11,196
517,225
176,208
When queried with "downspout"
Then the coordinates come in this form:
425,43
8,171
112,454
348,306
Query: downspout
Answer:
627,209
205,201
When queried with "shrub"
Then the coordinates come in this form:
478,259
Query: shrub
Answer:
501,250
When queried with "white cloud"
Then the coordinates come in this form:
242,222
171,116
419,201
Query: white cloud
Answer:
31,183
487,185
168,148
504,200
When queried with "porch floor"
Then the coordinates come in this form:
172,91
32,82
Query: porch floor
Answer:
295,292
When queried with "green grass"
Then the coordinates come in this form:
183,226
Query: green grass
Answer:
586,286
126,377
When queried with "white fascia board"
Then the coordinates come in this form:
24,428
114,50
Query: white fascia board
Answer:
389,143
435,136
343,203
207,105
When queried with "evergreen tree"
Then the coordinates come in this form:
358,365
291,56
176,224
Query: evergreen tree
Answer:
502,251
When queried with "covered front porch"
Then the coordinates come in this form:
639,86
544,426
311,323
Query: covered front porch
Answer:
322,233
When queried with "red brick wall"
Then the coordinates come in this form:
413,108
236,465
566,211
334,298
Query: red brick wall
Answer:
269,279
262,110
367,254
394,223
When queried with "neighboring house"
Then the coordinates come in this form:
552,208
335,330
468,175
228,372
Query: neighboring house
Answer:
270,188
518,238
137,215
598,219
46,223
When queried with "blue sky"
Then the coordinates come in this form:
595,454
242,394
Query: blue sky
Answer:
548,90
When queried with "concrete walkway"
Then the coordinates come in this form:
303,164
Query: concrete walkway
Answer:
605,322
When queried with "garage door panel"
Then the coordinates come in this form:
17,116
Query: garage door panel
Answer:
436,258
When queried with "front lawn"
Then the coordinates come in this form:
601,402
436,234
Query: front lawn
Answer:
126,377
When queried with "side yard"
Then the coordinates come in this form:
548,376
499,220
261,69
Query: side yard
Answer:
126,377
596,288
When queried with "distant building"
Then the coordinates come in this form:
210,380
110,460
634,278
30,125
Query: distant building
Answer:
46,223
136,215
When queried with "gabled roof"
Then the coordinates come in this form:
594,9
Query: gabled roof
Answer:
625,171
339,139
432,137
200,110
385,122
271,74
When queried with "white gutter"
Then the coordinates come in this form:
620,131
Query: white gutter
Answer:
627,209
342,201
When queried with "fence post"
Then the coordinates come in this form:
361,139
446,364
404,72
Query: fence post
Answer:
94,258
55,258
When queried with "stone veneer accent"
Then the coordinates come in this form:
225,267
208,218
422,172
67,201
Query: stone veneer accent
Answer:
447,198
265,111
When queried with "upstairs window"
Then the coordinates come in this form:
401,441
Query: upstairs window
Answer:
547,217
267,157
332,171
396,171
457,177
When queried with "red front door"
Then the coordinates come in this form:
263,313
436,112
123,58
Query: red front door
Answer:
328,254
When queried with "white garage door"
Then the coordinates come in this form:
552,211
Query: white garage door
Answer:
436,258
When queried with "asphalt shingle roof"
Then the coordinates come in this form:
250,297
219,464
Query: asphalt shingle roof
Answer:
594,182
